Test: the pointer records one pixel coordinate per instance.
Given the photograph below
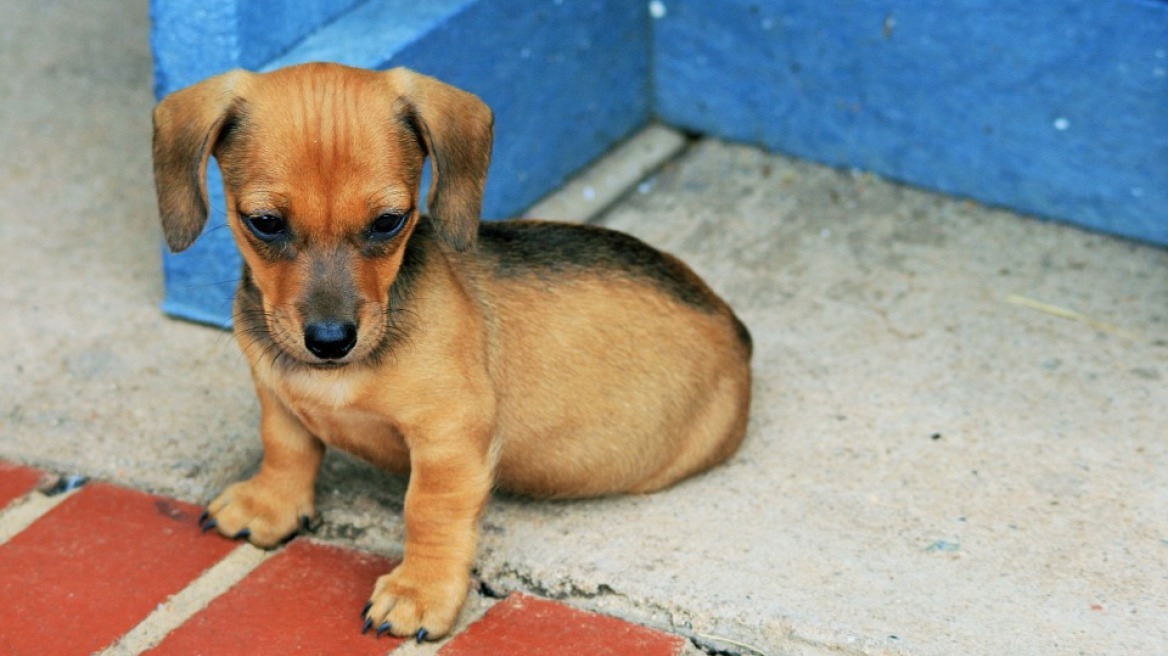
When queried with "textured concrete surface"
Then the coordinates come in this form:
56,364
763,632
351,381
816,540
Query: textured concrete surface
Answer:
598,186
935,464
97,380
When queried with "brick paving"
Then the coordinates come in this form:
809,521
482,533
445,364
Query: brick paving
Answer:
98,564
16,481
305,599
522,624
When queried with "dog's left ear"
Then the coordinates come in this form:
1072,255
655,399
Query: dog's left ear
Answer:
187,125
457,129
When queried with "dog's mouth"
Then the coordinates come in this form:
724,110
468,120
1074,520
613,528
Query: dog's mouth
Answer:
319,351
327,364
323,344
306,358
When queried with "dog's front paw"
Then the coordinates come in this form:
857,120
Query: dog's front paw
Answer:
263,513
411,603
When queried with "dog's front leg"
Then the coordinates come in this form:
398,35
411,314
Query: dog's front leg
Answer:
450,481
279,499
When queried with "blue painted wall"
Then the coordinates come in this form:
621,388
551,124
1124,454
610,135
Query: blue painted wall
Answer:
194,39
1055,107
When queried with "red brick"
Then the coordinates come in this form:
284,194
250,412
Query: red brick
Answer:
16,481
306,599
95,566
521,624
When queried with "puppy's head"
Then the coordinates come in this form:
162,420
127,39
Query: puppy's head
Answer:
321,166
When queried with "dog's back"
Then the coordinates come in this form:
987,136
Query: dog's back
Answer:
602,342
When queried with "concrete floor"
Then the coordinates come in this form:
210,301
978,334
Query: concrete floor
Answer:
937,463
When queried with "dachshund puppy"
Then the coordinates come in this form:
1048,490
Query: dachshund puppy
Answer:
550,360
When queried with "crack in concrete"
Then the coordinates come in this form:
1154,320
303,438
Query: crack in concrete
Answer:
508,576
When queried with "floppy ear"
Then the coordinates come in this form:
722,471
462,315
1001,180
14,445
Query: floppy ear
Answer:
457,129
187,124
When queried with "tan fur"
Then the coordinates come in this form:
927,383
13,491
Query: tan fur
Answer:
551,383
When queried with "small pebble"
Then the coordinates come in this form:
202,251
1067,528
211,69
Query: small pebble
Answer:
943,545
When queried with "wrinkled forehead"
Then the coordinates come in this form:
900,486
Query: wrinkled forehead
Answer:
331,126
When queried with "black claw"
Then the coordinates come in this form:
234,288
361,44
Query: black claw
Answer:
306,523
365,610
382,629
422,633
244,534
203,517
210,525
365,627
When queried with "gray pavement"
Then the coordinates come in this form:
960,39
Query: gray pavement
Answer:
958,442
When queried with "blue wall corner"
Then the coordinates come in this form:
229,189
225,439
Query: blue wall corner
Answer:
269,28
1056,107
195,39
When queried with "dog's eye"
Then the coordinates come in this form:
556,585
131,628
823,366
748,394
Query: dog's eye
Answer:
387,225
266,226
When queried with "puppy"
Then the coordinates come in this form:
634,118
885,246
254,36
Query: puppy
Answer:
547,359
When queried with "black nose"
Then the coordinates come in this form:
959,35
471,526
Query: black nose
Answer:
330,340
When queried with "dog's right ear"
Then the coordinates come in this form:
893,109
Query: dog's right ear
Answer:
187,124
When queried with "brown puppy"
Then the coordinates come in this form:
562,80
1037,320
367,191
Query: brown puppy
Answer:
546,359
